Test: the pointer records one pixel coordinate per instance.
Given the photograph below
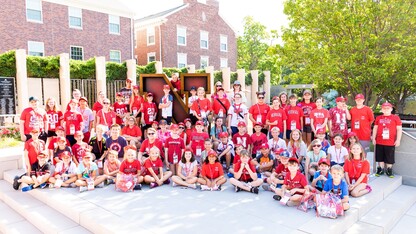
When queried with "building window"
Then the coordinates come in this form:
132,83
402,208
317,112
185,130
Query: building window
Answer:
202,1
77,53
204,39
223,43
151,36
75,17
151,57
182,60
204,62
181,34
34,10
114,24
115,56
35,48
224,63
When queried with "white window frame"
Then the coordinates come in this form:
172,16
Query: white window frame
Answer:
202,1
204,36
222,61
34,47
115,60
34,5
75,13
182,56
114,20
70,51
150,31
222,38
206,58
151,54
180,32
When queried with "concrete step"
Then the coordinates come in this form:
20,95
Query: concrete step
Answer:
39,214
389,211
10,160
407,222
12,222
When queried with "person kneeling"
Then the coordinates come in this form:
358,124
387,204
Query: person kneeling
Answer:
245,176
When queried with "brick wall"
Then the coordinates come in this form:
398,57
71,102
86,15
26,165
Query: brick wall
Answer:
57,36
142,49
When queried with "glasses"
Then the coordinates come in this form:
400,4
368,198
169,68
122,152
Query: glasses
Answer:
106,103
219,85
181,128
316,146
151,133
260,97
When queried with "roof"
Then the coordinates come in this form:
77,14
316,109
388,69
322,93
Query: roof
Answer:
161,15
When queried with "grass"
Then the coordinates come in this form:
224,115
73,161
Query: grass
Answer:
9,142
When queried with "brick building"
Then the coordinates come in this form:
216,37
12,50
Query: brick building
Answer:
82,28
192,33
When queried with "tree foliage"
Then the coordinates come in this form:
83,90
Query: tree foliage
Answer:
353,46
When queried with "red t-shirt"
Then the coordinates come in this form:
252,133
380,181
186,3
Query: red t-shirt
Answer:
339,121
149,110
361,120
257,141
97,106
244,140
54,118
259,112
294,115
134,131
106,119
176,84
319,116
120,109
204,105
387,129
279,115
212,171
198,141
78,150
216,106
130,168
33,119
282,169
53,143
33,149
307,108
236,159
245,175
299,181
137,104
355,168
155,165
174,146
73,122
189,134
146,146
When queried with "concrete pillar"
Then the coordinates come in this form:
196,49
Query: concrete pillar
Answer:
226,79
267,86
21,81
191,68
241,76
64,79
131,70
100,74
254,86
158,67
210,70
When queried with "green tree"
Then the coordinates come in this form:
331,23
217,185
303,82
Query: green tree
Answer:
353,46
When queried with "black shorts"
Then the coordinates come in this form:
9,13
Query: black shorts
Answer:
307,128
385,154
51,133
288,132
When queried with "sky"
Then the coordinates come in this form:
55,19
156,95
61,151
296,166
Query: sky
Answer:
267,12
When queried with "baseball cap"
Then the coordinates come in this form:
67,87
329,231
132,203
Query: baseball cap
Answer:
33,98
166,86
264,146
352,134
223,134
61,139
59,128
162,122
285,154
237,82
135,87
193,88
340,99
320,131
119,94
42,154
187,120
241,124
73,101
324,160
212,153
155,122
83,99
65,154
180,124
293,159
174,127
150,94
199,122
307,91
258,124
386,104
129,80
359,96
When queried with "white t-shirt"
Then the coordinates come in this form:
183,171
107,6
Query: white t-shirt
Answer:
274,145
187,169
243,97
60,168
167,111
337,155
191,100
235,117
221,147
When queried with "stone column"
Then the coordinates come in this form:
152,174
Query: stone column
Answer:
191,68
64,79
21,81
131,70
254,85
267,86
226,79
241,76
100,74
210,70
158,67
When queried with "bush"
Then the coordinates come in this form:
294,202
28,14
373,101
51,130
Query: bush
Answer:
82,69
8,64
116,71
42,67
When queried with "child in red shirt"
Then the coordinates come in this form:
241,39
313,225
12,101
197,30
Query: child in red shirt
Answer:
120,108
276,179
307,106
153,174
319,116
174,148
294,116
79,148
111,166
257,138
277,117
212,175
356,170
55,117
131,166
197,139
32,149
245,176
73,121
242,137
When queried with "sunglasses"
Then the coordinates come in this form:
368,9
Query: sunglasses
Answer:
106,103
151,133
181,128
219,85
316,146
260,97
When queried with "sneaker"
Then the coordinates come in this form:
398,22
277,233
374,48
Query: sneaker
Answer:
16,183
43,185
166,181
266,187
389,172
379,172
265,180
230,175
83,189
153,185
27,188
205,188
101,185
218,188
368,187
237,189
215,188
137,187
192,186
73,185
174,184
108,181
254,190
277,197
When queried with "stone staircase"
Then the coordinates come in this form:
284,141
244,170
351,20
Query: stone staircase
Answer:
389,208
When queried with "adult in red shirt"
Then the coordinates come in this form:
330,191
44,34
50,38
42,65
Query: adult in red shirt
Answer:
319,116
151,141
31,118
106,116
294,116
220,105
307,106
361,119
277,117
338,116
132,132
149,111
387,134
258,112
73,121
32,148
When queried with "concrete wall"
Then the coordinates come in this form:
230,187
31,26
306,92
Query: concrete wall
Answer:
406,157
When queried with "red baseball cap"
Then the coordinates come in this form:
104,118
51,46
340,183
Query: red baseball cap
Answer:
340,99
187,120
181,124
324,160
83,99
65,154
129,80
150,94
212,153
174,127
258,124
352,134
386,104
241,124
199,122
223,134
359,96
166,86
155,122
119,94
293,159
264,146
59,128
320,131
135,87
